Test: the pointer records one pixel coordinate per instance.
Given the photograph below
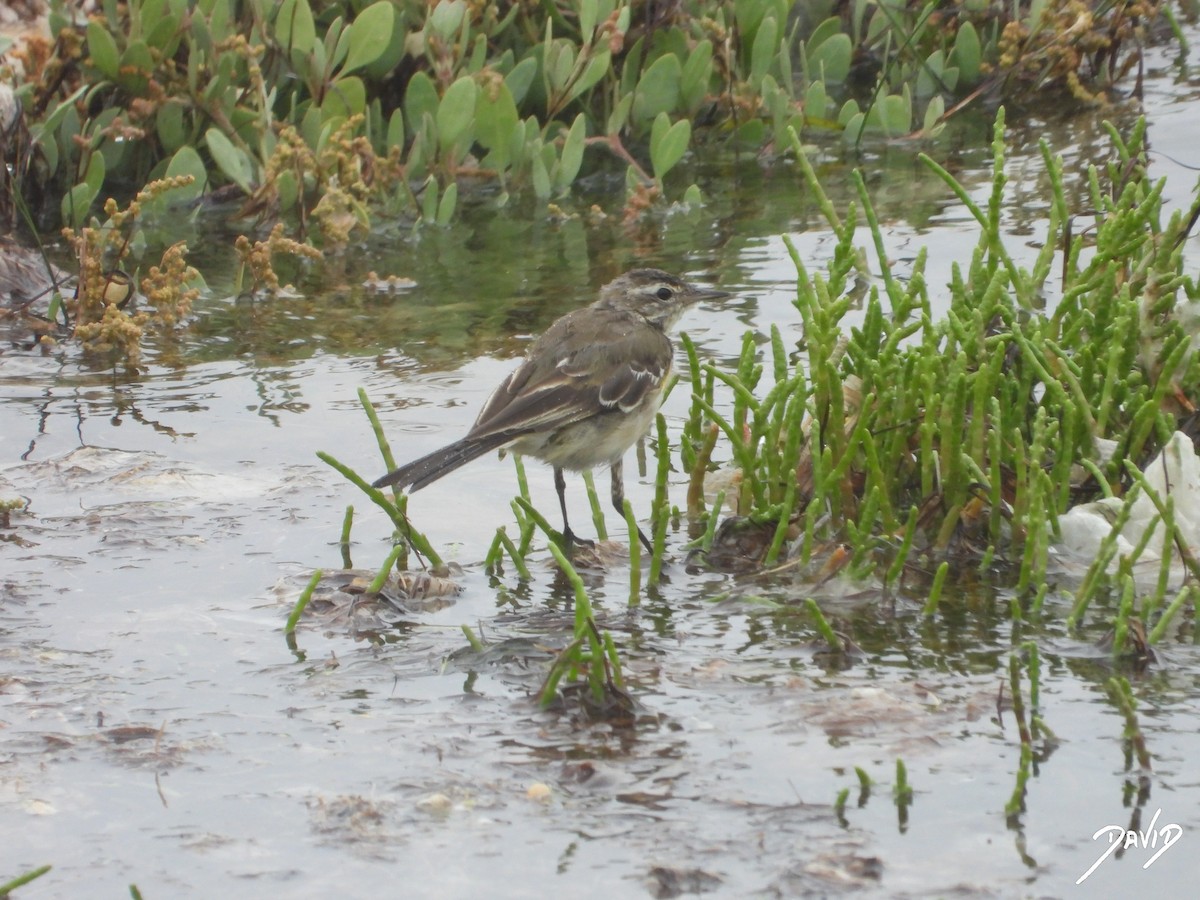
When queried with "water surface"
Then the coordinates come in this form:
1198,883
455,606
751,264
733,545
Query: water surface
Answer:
158,731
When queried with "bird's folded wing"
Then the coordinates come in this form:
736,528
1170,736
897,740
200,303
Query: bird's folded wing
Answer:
600,377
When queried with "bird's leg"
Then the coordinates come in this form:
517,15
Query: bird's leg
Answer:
618,499
560,485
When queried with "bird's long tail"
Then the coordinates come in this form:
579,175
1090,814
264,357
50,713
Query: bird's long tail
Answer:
428,469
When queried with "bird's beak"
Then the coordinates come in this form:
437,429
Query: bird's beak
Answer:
703,294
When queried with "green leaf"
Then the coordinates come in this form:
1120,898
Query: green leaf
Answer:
445,210
416,163
896,114
294,27
76,202
848,111
395,130
933,112
572,153
171,127
345,97
336,46
541,178
287,190
370,35
52,121
165,36
311,125
668,143
967,53
852,126
103,50
494,121
429,202
587,19
830,61
620,115
137,63
560,61
456,112
49,151
816,101
824,31
521,77
749,14
766,45
145,15
697,73
447,18
94,176
187,161
658,89
390,57
231,160
420,99
596,69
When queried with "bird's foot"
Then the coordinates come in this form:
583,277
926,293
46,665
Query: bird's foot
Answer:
570,539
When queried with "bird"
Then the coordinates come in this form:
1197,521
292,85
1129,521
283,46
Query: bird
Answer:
586,391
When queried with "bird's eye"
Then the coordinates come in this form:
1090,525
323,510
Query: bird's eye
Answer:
664,293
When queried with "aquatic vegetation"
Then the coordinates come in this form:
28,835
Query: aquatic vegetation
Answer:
338,114
963,440
326,120
910,452
100,311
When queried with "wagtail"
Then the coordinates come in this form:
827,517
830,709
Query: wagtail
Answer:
588,388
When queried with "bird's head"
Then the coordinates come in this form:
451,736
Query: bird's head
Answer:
654,294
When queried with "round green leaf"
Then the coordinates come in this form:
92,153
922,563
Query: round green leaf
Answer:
668,143
345,97
171,127
446,205
596,69
816,101
521,77
572,154
967,52
830,60
103,50
370,35
541,178
187,161
658,88
447,18
76,202
697,71
94,176
420,98
287,189
495,118
231,160
395,130
429,202
456,111
766,45
136,66
294,27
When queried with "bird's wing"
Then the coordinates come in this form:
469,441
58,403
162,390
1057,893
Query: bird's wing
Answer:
617,370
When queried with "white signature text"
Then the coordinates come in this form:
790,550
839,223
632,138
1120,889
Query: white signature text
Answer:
1149,839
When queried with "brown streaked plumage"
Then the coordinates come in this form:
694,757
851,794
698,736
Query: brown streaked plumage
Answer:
588,388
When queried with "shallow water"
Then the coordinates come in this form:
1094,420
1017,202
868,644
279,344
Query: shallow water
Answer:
158,730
